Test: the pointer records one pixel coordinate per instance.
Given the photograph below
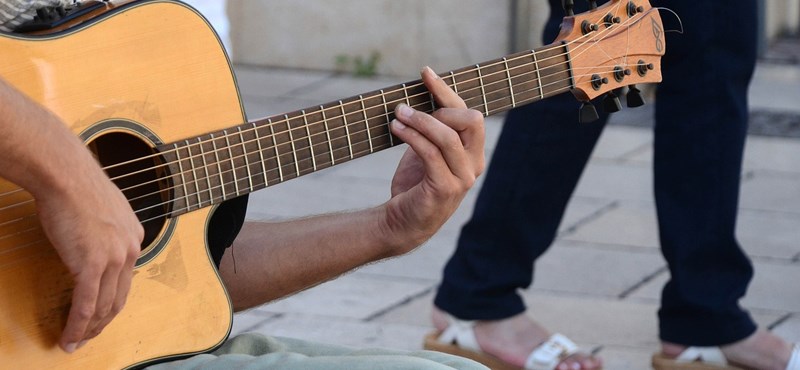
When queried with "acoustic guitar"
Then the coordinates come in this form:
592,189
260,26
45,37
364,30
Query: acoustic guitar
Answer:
149,88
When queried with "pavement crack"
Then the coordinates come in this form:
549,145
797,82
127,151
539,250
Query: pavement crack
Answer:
642,282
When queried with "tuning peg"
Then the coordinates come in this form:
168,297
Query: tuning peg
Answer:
587,113
569,6
634,97
611,103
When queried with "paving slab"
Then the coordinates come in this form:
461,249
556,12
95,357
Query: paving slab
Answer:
772,153
769,234
352,296
789,329
620,142
580,268
771,192
771,289
629,223
270,83
611,180
775,86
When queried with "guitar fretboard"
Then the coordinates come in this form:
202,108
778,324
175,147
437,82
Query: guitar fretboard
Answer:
218,166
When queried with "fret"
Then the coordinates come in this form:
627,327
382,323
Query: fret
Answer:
455,85
195,179
230,158
310,142
261,155
483,90
433,102
205,167
388,121
183,178
366,123
510,85
328,134
405,92
346,129
291,140
246,159
553,64
275,145
538,74
219,166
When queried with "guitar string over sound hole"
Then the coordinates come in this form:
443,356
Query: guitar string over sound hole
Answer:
136,168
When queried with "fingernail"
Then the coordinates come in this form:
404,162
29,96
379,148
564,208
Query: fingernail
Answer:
81,344
398,125
404,111
430,70
71,347
576,366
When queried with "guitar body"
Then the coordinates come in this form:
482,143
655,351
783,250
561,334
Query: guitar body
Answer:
148,72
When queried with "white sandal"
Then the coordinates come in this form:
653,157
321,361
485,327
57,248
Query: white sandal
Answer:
459,339
709,358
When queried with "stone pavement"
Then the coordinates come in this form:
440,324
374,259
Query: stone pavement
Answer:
600,282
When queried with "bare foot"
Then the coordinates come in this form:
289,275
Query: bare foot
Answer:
762,350
513,339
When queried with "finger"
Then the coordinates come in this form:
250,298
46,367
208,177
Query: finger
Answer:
442,93
444,139
106,300
469,125
84,301
431,158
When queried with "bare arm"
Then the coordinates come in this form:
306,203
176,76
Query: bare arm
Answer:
85,216
445,157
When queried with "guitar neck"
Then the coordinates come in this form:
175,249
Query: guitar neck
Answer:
218,166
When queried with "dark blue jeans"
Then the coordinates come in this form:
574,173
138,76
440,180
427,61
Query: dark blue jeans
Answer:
701,124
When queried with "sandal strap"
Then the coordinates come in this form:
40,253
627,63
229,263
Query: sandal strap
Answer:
550,353
461,333
708,355
794,361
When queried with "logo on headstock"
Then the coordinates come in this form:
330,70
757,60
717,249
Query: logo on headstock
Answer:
658,32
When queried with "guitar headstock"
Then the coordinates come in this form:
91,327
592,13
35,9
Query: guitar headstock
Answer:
615,45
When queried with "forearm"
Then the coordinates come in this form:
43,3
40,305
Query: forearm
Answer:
272,260
39,153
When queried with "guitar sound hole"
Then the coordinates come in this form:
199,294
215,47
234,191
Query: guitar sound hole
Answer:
139,171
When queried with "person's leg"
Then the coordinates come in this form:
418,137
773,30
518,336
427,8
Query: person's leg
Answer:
535,167
533,172
255,351
701,125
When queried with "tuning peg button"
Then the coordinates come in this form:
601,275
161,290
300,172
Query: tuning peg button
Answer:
587,113
634,97
569,6
611,103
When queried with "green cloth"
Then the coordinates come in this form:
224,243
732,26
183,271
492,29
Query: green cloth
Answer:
257,352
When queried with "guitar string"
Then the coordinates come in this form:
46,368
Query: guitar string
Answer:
235,181
356,112
272,148
287,120
347,124
308,145
523,56
424,103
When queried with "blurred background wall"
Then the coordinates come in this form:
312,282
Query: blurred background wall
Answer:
397,37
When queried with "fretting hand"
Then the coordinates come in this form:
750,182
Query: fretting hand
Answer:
444,159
